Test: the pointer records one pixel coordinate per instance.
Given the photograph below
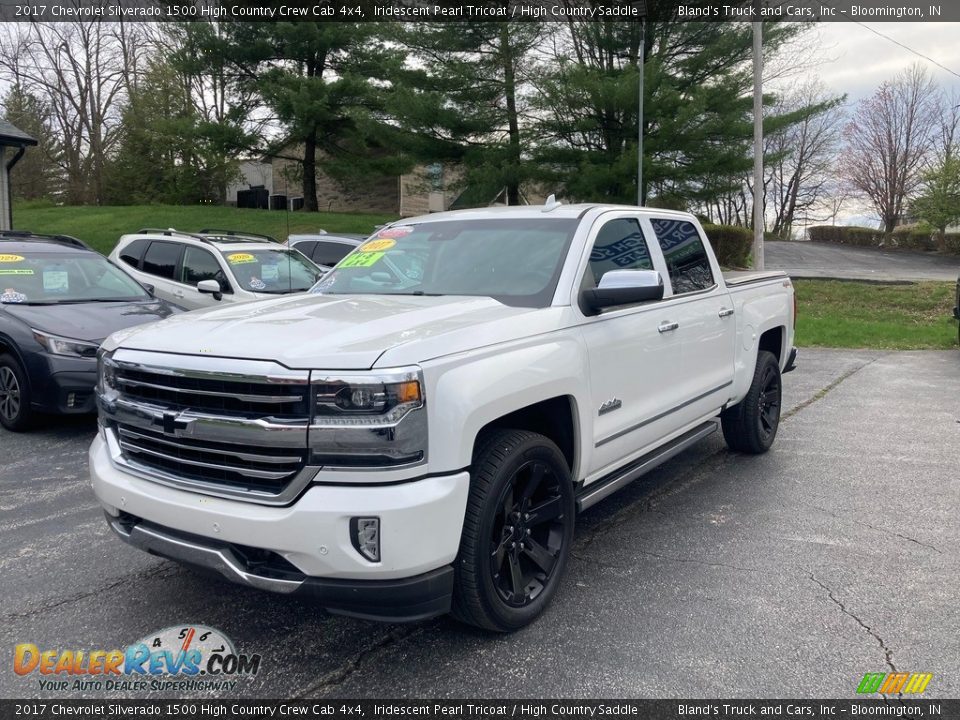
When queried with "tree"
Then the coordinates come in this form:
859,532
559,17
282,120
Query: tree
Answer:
464,97
802,155
36,175
323,82
888,141
698,111
939,202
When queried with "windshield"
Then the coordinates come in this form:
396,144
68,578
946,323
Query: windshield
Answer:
53,278
272,270
516,261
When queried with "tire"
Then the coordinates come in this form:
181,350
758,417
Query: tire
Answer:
751,425
15,411
511,559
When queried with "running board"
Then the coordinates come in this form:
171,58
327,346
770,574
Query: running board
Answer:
597,491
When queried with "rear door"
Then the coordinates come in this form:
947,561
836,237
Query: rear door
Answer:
699,304
633,360
159,264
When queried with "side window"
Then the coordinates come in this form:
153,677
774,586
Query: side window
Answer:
200,265
620,245
687,261
161,259
305,247
132,253
330,253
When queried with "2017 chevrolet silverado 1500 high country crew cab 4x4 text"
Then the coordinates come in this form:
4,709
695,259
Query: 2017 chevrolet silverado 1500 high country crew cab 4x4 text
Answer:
417,435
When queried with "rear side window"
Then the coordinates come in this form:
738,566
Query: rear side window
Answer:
305,247
161,259
687,261
330,253
620,245
132,253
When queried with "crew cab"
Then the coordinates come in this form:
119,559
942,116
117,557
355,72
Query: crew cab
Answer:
403,443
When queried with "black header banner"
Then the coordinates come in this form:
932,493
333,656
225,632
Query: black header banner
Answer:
873,707
478,10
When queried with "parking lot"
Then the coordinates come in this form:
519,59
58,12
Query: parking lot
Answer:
785,575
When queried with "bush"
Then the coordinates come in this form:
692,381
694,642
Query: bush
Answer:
952,243
731,244
846,235
913,238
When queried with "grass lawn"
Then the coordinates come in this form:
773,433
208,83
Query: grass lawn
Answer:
864,315
101,227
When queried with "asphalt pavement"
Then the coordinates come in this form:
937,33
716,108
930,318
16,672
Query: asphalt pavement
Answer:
827,260
719,575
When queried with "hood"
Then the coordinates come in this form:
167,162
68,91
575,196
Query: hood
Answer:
88,321
336,332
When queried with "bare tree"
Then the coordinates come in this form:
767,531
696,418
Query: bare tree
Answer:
888,141
802,155
81,70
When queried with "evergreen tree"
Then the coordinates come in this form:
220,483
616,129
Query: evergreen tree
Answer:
697,123
324,82
465,98
37,175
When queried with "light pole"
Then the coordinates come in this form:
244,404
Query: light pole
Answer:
758,146
641,56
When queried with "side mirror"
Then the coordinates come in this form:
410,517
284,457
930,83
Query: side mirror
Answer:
622,287
210,287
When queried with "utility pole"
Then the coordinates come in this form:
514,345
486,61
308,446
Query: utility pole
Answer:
758,146
641,59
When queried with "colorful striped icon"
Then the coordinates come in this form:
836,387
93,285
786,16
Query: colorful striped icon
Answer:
894,683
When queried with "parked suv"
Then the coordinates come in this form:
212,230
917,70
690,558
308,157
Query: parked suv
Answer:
214,266
58,301
324,249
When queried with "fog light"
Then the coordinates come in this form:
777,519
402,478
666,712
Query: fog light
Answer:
365,536
71,400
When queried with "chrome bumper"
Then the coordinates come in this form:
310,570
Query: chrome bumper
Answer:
219,559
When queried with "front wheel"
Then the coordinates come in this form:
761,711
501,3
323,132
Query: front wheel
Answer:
751,425
15,411
517,531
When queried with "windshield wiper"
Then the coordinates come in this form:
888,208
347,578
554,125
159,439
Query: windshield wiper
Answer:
80,301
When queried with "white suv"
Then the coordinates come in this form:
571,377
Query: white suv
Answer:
196,270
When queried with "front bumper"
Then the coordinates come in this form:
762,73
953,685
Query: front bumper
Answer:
420,526
402,600
62,384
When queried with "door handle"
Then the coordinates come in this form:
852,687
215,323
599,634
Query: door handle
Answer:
667,326
178,293
725,312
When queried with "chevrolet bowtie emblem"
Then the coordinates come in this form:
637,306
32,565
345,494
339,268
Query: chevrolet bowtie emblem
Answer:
171,423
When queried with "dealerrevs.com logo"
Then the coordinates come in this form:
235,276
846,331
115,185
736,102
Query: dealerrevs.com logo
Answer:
178,658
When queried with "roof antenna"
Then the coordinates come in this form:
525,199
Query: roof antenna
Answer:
552,203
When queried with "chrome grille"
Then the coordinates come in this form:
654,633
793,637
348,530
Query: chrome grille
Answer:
258,468
215,395
235,428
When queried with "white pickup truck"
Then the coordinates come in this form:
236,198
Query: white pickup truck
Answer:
417,435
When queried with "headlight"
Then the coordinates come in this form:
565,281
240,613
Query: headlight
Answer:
56,345
106,373
371,420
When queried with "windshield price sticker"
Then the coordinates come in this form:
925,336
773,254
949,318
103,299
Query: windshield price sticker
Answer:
395,232
362,259
10,258
56,281
240,258
270,272
377,246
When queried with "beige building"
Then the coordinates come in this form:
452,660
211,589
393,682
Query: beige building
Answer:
428,188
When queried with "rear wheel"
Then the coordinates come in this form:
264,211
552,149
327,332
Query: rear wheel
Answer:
517,531
751,425
15,411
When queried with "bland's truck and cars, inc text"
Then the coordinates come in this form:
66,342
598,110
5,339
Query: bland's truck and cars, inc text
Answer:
417,435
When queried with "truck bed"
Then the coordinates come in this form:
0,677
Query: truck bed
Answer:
746,277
